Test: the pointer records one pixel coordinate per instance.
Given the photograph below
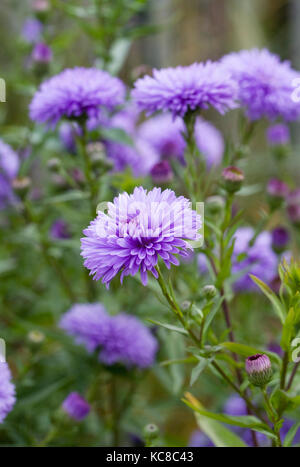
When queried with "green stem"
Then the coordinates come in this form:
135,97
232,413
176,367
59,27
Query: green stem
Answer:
291,378
285,362
272,416
115,416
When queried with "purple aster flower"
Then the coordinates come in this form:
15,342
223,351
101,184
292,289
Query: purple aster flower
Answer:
182,89
128,342
165,135
278,135
32,30
162,172
141,156
259,259
74,93
235,405
60,230
9,161
265,84
280,239
136,231
76,406
277,188
7,391
41,53
67,135
9,166
121,338
88,323
199,440
210,142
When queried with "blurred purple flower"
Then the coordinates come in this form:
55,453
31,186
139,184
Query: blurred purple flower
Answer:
199,440
161,172
210,142
7,391
182,89
259,259
277,188
293,206
9,166
67,135
235,405
32,30
278,135
60,230
76,406
280,239
74,93
265,84
121,338
41,53
137,230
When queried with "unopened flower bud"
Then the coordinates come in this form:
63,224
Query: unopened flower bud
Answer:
259,369
162,172
293,207
186,305
151,431
209,291
233,178
42,53
21,186
277,192
36,337
76,406
280,239
278,135
214,205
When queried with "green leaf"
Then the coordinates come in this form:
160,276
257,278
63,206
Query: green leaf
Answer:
288,330
197,370
170,327
247,350
289,438
277,305
116,134
244,421
220,435
72,195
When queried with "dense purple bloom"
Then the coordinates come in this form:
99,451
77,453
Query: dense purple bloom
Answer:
41,53
266,84
76,92
278,135
60,230
165,135
136,231
32,30
7,391
259,259
178,90
76,406
88,323
129,342
121,338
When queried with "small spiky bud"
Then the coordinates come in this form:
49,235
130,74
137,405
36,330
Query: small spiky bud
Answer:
259,369
233,178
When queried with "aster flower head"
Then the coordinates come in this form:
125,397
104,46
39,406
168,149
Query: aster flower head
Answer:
183,89
259,369
76,406
128,342
88,323
7,391
120,339
278,134
76,93
136,231
265,84
258,259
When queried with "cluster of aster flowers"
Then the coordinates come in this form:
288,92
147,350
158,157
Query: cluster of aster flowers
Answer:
265,84
74,93
121,338
183,89
9,166
7,391
136,231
